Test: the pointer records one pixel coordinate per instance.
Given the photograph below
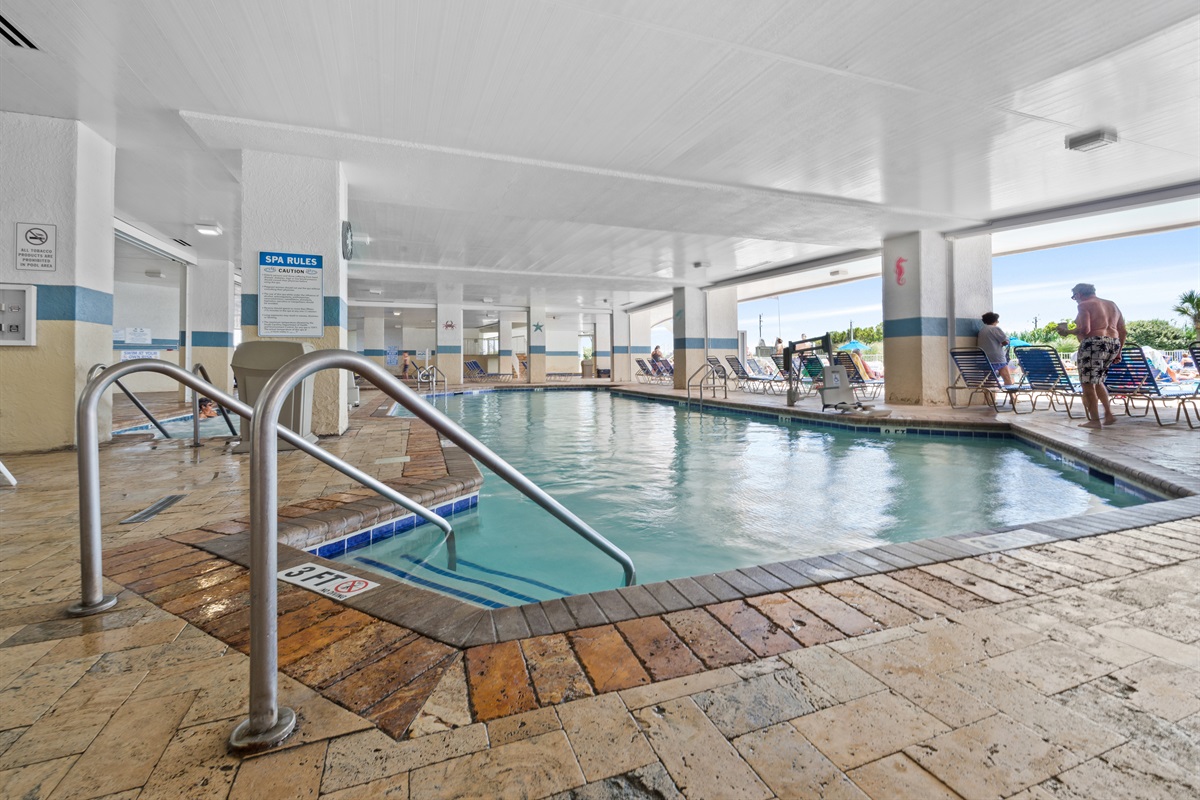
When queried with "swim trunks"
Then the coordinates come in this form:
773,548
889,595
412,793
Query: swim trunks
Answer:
1096,354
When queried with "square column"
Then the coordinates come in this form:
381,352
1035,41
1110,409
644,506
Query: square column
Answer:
602,344
639,338
56,187
373,344
449,324
622,360
723,323
211,317
689,328
536,331
295,205
924,281
508,358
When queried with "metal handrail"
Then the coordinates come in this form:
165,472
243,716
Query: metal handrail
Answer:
198,369
430,374
267,723
93,599
708,371
132,398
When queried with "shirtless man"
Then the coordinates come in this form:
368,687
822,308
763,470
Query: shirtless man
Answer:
1101,331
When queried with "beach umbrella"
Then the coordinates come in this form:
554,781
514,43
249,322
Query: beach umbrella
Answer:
1013,341
853,344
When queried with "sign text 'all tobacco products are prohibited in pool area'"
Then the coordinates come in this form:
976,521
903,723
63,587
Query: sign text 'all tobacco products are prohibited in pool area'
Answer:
290,299
326,581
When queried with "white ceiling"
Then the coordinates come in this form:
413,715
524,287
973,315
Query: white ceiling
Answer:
595,151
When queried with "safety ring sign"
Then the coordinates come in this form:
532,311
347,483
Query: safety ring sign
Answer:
326,581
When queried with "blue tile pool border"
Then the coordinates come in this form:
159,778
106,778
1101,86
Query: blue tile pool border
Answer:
397,526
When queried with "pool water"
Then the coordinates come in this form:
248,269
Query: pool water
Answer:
687,493
181,427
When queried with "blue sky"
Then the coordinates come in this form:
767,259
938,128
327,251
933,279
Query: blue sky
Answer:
1144,274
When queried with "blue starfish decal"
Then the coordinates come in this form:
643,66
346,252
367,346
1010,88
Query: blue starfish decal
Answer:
537,327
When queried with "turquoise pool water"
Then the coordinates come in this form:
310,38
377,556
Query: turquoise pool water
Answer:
688,493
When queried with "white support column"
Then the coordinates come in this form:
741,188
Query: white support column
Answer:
185,328
296,204
508,359
723,323
622,362
931,289
449,323
536,329
689,329
602,344
212,317
639,337
373,340
57,176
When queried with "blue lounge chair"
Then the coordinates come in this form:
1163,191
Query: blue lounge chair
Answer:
745,382
1045,375
861,384
1132,379
976,374
717,369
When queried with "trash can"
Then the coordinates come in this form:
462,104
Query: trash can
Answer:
585,369
253,365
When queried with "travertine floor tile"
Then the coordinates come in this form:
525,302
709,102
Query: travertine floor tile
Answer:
195,765
898,776
34,781
833,673
507,730
792,767
701,762
992,758
604,736
1051,667
650,782
1128,773
868,728
531,768
1161,687
373,755
292,774
758,702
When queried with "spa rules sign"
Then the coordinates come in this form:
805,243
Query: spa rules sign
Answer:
290,300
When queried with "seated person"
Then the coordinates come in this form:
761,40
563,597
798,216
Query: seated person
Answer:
657,354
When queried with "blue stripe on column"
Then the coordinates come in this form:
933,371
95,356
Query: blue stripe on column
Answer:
505,353
370,352
689,343
722,344
574,353
249,309
916,326
74,304
212,339
601,354
449,348
640,350
537,349
155,344
337,311
967,327
621,349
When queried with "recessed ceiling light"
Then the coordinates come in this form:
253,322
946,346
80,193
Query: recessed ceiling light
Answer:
1091,140
395,313
839,272
208,228
489,299
154,273
397,326
375,291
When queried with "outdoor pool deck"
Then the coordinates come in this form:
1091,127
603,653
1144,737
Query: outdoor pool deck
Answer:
1066,669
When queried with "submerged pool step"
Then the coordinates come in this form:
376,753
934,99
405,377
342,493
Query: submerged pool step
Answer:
471,582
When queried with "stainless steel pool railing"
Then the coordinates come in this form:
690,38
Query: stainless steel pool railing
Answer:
198,369
431,374
93,600
268,724
97,368
709,372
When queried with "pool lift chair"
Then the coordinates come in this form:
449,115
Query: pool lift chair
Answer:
838,393
863,386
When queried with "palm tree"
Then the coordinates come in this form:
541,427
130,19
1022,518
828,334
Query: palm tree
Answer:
1189,308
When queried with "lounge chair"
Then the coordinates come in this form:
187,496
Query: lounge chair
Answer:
717,369
1132,379
976,373
480,374
1045,375
1192,400
744,381
797,377
862,385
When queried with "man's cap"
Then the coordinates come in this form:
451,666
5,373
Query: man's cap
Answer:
1083,288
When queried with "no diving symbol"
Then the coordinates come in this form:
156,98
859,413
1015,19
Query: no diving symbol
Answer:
36,237
350,587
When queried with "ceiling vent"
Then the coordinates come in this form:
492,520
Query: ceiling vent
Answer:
181,242
1092,140
14,36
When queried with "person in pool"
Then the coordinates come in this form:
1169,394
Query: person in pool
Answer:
208,409
1100,328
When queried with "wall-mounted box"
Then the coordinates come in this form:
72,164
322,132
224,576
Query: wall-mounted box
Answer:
18,314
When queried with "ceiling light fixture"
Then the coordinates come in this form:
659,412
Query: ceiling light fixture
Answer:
208,228
395,313
154,273
839,272
1092,140
375,291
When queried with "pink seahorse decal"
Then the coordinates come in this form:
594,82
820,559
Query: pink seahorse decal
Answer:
900,271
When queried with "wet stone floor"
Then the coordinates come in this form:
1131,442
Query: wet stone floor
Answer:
1065,670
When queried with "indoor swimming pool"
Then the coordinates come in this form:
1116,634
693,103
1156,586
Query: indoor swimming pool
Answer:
687,493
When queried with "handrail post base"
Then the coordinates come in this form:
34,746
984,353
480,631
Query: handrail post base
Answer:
85,610
243,742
